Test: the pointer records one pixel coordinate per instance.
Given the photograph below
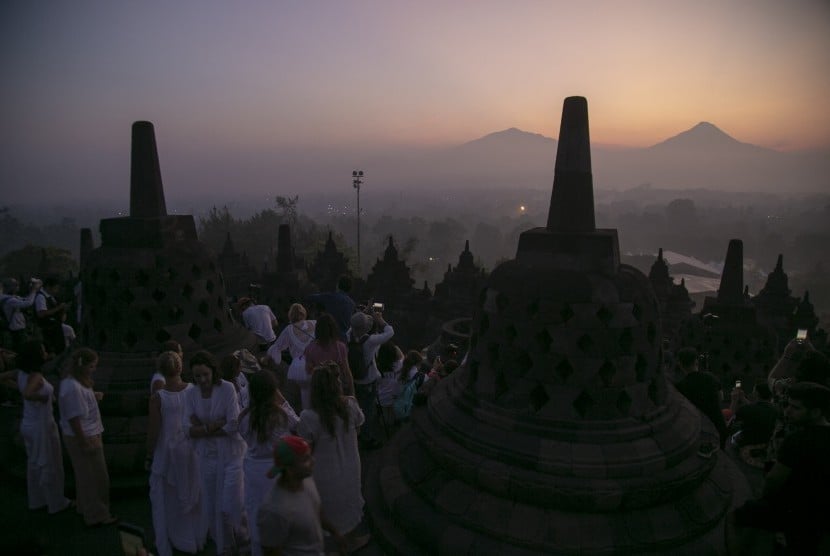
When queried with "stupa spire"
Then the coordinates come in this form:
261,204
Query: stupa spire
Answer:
146,189
572,200
731,288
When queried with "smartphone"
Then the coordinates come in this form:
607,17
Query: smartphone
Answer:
377,307
132,539
801,335
737,384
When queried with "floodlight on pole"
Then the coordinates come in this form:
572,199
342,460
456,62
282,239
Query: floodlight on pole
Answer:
357,180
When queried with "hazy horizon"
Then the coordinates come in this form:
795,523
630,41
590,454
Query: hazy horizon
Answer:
280,95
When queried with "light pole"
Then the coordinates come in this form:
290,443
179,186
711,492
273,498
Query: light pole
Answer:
357,180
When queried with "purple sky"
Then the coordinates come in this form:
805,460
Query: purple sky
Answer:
248,79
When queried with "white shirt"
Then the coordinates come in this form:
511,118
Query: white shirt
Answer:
12,305
258,319
76,400
370,349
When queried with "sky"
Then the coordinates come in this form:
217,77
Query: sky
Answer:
254,78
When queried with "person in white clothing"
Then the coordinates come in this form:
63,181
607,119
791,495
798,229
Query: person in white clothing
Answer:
268,418
175,489
12,307
366,388
82,429
295,338
260,320
44,459
211,420
330,427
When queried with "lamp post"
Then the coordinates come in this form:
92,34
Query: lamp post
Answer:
357,180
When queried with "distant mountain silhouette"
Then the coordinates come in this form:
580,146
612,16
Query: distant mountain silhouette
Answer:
706,136
510,138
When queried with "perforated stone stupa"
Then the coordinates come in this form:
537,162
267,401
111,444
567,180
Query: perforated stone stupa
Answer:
151,280
560,435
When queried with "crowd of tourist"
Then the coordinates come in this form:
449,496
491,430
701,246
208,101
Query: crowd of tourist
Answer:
227,442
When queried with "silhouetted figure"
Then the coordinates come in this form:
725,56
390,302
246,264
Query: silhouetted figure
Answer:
702,389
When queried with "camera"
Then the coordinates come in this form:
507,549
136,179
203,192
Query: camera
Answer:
377,307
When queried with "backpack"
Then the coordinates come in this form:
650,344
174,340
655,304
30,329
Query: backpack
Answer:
403,403
357,361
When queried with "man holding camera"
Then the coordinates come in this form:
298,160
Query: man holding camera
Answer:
366,387
49,313
12,307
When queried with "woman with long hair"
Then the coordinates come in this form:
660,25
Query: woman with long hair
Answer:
331,427
82,429
268,418
44,459
389,362
211,418
295,338
173,465
327,346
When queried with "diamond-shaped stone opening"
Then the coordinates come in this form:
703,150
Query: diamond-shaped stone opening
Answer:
114,276
203,308
533,308
640,367
127,296
187,291
159,295
494,351
566,313
585,343
510,333
483,324
194,331
626,341
209,286
142,278
623,403
523,363
583,403
604,315
545,340
217,325
162,336
564,369
501,384
501,302
130,338
607,372
538,397
196,271
637,311
146,315
651,333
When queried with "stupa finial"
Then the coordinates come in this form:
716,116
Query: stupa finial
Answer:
572,200
146,189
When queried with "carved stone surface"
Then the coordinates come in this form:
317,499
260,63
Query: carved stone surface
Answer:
560,435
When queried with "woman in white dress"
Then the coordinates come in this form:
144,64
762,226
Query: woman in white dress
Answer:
268,418
211,419
82,429
294,338
44,463
331,427
174,468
